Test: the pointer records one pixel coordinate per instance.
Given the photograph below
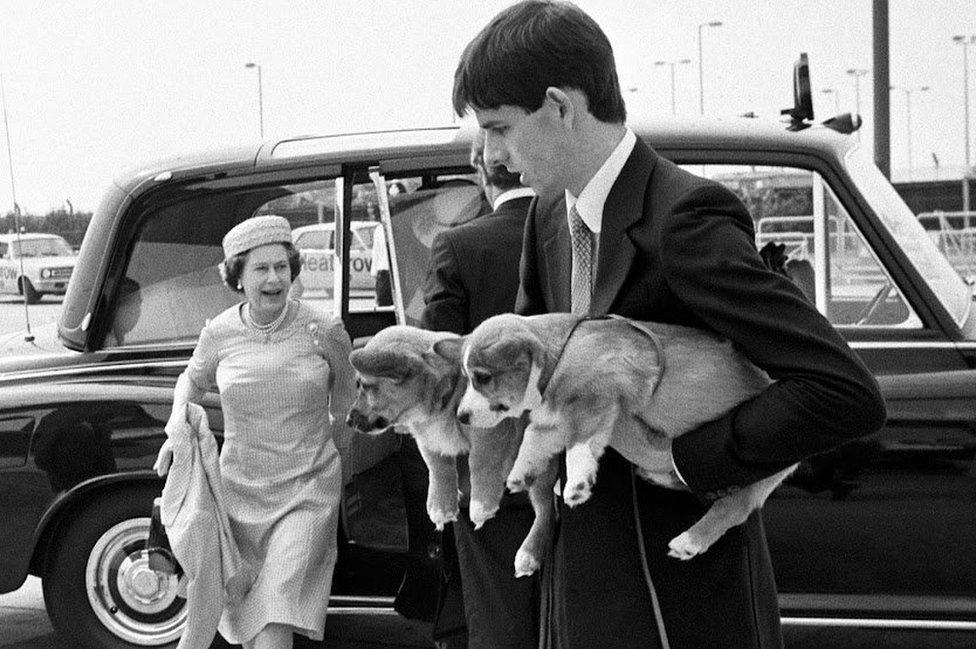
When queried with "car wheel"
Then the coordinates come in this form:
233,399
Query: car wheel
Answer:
98,587
31,296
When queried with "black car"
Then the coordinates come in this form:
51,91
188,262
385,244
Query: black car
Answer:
869,542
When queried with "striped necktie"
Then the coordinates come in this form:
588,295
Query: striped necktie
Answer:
581,285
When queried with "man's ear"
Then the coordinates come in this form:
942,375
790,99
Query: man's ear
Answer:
561,103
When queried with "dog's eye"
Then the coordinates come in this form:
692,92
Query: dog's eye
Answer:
481,378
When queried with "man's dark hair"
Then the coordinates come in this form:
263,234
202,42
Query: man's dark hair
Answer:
496,176
534,45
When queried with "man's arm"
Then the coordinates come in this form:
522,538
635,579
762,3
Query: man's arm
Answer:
823,394
445,297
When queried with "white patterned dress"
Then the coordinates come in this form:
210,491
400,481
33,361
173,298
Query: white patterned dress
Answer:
279,466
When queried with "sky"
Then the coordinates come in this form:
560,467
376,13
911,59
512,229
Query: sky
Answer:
93,87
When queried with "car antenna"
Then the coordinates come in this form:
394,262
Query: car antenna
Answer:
28,337
801,114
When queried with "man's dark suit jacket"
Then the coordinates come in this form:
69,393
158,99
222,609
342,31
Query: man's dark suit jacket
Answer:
473,274
474,269
677,248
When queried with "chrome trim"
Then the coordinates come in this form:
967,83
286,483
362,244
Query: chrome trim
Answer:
88,369
874,623
934,344
357,610
352,601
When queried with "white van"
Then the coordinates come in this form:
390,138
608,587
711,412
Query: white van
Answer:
33,265
316,243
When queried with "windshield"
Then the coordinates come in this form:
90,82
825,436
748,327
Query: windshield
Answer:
894,215
47,247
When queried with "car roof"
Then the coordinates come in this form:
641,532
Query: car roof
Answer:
28,235
452,143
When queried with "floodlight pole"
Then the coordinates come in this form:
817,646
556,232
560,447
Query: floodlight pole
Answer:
673,64
260,95
701,65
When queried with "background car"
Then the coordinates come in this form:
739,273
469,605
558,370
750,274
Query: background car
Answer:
316,243
33,264
870,542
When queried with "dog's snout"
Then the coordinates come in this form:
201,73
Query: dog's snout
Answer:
358,420
464,416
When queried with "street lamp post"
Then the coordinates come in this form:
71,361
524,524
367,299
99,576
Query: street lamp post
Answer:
260,96
908,115
966,41
701,65
673,64
857,73
836,94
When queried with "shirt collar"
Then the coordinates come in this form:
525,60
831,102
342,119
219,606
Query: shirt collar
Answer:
591,200
512,194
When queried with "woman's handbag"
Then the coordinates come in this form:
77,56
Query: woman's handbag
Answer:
161,557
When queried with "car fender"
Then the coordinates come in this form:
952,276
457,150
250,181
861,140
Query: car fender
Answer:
75,498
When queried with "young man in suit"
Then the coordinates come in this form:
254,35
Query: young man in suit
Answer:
656,243
473,275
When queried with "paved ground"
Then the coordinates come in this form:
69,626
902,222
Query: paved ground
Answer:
23,621
24,625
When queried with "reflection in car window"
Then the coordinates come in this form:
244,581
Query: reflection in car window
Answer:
419,210
837,270
894,215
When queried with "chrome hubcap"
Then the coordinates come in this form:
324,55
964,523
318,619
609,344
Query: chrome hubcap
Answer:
133,601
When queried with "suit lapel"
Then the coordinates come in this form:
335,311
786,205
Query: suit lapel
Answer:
557,256
624,207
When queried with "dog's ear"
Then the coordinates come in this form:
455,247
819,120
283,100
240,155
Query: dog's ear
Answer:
385,364
444,359
515,351
446,349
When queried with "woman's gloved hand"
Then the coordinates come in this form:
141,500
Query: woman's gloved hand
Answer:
164,459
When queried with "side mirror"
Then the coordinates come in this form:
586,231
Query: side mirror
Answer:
845,123
802,112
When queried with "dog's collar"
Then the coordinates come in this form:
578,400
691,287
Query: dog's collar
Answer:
550,368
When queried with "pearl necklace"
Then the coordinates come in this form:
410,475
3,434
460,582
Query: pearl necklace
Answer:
269,328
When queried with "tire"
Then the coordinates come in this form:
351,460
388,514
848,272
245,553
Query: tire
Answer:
98,588
31,296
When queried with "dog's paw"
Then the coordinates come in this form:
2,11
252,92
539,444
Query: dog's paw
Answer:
526,563
577,492
481,512
686,546
440,517
519,481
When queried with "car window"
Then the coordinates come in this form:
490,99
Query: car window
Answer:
418,208
795,211
171,284
910,236
315,240
954,234
46,247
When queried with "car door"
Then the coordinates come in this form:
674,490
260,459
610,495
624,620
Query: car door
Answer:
876,530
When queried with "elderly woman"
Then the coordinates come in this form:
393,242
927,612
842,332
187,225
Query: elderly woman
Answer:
285,385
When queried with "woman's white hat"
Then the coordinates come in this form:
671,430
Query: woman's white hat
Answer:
256,231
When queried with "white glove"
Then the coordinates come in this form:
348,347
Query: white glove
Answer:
164,459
